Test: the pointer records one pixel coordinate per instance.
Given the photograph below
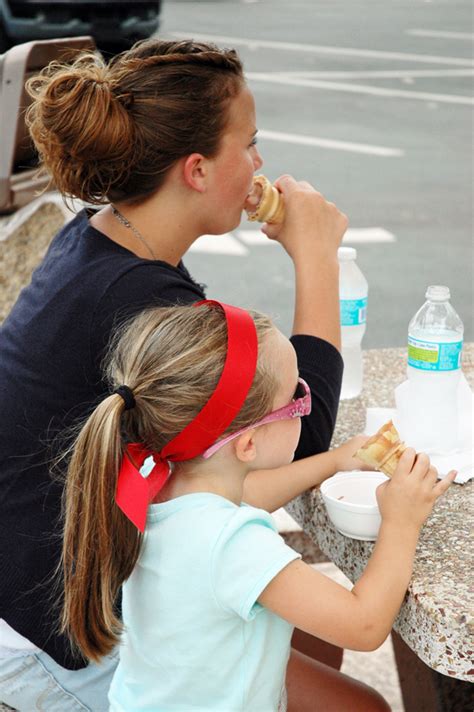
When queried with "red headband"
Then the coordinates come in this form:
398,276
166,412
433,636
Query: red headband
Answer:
135,491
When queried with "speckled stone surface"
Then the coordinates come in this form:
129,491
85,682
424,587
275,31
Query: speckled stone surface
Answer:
437,617
23,249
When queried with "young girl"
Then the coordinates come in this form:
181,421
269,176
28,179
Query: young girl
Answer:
193,448
162,142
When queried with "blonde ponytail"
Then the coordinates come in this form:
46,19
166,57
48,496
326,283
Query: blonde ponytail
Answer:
100,545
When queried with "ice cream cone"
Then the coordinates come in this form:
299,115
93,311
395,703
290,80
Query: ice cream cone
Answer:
270,207
383,450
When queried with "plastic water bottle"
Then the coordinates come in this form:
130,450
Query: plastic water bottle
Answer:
435,339
353,290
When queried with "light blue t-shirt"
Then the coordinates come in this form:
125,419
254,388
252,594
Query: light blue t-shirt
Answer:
195,637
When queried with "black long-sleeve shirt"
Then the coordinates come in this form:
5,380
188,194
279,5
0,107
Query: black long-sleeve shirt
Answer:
51,346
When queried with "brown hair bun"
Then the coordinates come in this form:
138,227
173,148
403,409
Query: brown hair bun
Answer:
82,131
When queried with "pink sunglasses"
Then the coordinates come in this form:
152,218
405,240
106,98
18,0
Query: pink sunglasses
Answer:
299,406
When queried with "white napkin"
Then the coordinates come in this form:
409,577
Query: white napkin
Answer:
461,458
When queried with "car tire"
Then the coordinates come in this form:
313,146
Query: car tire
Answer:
110,49
5,42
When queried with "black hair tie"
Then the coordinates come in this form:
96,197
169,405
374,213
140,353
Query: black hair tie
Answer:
127,394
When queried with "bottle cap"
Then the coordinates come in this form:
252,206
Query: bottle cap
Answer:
437,293
346,253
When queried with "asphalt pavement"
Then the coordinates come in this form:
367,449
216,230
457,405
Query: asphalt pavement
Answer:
372,103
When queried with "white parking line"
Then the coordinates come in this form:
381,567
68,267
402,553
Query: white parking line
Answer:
254,237
219,244
442,33
379,74
324,49
360,89
228,244
329,143
354,235
365,235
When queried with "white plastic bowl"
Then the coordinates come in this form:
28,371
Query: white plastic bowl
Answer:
356,515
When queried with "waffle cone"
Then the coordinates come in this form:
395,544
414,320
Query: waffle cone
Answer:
270,209
383,450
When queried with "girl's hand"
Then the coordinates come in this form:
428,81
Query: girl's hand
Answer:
312,226
345,459
408,498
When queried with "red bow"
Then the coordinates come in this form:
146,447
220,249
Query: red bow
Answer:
134,490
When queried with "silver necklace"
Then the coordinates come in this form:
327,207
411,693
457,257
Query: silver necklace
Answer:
123,220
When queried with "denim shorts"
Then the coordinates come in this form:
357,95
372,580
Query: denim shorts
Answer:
35,683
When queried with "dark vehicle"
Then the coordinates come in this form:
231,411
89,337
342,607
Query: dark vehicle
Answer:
114,24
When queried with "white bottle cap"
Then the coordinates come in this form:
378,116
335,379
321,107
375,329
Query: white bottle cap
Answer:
437,293
346,253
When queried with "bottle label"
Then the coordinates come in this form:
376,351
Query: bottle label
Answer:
434,356
353,311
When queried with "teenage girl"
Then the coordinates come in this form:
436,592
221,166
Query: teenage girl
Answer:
162,142
202,420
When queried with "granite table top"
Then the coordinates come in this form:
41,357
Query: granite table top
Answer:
436,619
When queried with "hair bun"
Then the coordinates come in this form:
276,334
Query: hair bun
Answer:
81,128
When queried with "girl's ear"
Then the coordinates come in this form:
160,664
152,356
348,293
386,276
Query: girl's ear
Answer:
244,446
195,172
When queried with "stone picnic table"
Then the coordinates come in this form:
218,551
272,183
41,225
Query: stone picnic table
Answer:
433,633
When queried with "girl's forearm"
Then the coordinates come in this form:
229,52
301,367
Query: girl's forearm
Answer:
382,587
272,489
317,298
